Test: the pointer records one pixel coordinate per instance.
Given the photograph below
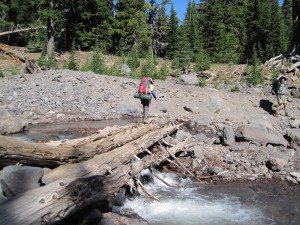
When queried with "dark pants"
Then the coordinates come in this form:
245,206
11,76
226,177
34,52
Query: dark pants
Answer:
145,104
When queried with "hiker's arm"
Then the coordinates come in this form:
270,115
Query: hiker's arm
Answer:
153,94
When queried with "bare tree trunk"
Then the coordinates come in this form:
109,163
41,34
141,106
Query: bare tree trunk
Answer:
21,30
296,25
50,32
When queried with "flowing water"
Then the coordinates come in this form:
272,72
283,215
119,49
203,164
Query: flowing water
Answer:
252,203
226,204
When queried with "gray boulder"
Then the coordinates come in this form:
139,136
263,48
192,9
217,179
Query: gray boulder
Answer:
188,80
276,164
228,135
182,135
200,121
260,134
127,109
294,136
10,124
18,179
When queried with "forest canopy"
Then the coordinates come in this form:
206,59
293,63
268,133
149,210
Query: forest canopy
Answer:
222,31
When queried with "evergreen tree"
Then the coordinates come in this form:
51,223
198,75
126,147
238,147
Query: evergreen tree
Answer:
184,54
172,33
286,11
264,17
89,23
131,27
162,28
191,28
296,25
157,20
211,19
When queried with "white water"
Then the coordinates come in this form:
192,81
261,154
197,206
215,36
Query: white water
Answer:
187,206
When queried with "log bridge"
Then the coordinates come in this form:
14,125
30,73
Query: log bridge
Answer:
84,171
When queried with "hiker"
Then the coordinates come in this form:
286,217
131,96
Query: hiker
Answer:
146,102
281,84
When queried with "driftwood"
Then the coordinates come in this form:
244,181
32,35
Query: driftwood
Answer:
13,52
72,187
14,151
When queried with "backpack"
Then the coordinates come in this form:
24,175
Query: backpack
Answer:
275,86
143,91
144,87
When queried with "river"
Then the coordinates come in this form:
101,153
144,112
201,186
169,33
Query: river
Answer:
242,203
193,203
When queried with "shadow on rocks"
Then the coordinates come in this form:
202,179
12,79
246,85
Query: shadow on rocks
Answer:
267,105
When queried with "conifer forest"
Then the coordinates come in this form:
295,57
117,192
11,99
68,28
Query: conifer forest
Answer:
215,31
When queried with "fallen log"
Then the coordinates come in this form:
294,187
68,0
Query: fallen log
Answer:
108,161
22,30
13,52
64,196
14,151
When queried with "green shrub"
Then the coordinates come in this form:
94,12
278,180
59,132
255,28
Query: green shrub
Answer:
254,74
202,82
133,60
216,85
235,88
44,60
115,70
71,63
202,62
1,74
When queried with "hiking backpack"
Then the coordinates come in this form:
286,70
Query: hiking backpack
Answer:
275,86
144,87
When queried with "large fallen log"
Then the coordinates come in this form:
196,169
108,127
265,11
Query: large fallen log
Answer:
21,30
84,186
108,161
13,52
14,151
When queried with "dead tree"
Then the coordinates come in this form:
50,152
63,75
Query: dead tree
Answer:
72,187
58,153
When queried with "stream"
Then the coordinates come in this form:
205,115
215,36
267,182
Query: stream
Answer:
192,203
238,203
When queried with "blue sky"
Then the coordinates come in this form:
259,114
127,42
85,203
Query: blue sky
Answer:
181,6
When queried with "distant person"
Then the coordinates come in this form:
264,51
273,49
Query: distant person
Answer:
145,92
281,83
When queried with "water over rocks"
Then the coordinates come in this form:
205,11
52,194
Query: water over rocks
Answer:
235,134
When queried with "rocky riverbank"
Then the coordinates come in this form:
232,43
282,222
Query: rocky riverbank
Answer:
234,135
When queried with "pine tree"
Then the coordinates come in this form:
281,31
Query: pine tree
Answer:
286,11
191,28
131,27
173,32
211,19
296,25
157,20
89,23
264,18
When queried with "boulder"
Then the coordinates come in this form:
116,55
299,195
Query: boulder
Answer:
18,179
127,109
188,80
261,135
276,164
199,121
10,124
228,135
294,136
